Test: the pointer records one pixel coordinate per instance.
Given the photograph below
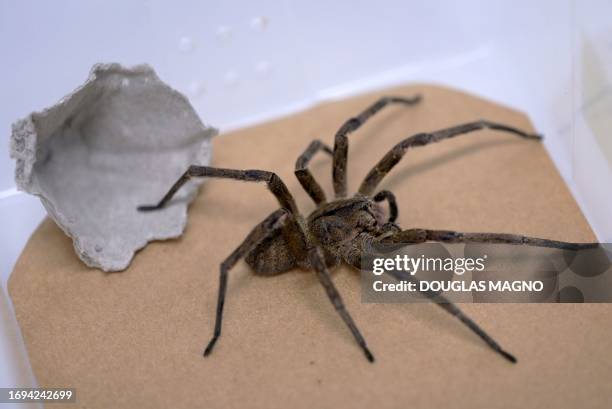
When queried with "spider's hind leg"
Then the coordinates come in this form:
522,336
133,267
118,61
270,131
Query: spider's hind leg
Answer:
392,158
317,262
351,125
275,184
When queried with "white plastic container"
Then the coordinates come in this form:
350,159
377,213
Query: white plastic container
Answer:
243,62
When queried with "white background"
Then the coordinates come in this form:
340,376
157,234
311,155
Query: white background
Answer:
242,62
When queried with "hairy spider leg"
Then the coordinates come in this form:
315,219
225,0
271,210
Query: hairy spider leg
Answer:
453,310
388,161
315,256
308,182
351,125
256,236
448,236
415,236
275,184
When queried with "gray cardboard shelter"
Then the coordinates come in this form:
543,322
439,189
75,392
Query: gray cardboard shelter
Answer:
118,141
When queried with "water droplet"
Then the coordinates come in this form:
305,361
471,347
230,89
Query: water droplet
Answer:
224,33
98,248
125,82
230,78
259,23
196,88
263,67
186,44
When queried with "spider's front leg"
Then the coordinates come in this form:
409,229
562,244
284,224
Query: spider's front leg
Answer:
416,236
316,259
456,312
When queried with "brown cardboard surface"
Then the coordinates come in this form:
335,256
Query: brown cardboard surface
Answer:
135,339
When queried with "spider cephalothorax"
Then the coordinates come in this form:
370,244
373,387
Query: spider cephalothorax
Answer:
342,230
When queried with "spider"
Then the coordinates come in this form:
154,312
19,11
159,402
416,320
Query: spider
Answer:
341,230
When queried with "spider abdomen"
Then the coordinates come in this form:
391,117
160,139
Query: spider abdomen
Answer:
271,256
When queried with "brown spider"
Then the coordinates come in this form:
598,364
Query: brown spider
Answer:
343,229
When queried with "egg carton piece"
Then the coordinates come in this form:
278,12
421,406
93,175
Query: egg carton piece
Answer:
116,142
